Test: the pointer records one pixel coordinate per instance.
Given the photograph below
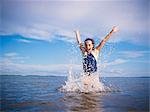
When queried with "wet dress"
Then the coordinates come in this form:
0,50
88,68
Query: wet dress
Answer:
90,61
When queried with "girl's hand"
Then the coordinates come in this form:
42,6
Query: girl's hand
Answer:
78,36
115,29
76,31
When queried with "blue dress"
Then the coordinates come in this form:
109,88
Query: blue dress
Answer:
89,63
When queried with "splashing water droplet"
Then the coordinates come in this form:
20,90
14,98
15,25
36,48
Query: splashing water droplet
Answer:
83,82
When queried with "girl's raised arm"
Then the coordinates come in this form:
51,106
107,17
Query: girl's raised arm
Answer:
79,41
114,29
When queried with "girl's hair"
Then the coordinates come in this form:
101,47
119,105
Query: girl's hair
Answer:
90,40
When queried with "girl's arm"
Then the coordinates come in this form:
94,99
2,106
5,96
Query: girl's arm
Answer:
79,41
114,29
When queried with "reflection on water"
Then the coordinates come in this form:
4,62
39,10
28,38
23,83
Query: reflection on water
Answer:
40,94
82,102
23,104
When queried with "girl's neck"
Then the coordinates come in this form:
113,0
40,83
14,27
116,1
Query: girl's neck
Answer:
89,51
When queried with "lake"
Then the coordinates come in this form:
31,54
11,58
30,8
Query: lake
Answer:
41,94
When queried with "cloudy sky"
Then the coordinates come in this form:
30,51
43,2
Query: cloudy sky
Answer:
37,37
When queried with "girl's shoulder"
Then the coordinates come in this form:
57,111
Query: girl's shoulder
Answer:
84,53
95,51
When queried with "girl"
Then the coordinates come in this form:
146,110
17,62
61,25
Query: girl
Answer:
90,57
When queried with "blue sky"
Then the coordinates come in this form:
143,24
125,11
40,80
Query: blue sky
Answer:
37,37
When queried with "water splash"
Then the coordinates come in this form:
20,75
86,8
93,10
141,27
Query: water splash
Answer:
82,82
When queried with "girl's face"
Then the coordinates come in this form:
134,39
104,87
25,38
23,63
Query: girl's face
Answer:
89,46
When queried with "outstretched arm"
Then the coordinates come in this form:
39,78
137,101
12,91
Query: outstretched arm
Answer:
79,41
114,29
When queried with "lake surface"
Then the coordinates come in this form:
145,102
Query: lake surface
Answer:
40,94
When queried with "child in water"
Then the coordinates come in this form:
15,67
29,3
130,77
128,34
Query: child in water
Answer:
90,58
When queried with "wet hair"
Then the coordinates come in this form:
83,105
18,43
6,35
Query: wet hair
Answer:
87,39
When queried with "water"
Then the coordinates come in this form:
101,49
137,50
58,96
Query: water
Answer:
41,94
84,83
81,82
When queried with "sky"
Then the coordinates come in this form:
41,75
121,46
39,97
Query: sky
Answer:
37,37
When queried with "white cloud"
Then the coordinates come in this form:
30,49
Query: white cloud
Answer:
124,73
72,11
10,54
133,54
40,32
113,72
27,69
91,17
13,56
112,63
24,40
8,67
